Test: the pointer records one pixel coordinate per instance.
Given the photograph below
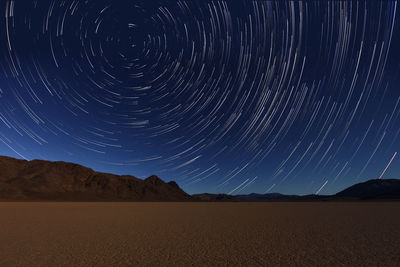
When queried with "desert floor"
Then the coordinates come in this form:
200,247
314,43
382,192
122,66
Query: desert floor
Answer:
200,234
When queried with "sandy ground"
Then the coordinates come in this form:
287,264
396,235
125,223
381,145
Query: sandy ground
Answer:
200,234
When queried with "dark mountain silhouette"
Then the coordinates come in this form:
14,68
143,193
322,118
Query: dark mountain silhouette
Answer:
44,180
265,197
258,197
215,197
61,181
373,189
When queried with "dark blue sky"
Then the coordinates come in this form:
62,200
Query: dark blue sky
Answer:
250,96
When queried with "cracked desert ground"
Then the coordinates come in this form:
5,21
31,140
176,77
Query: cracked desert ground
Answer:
200,234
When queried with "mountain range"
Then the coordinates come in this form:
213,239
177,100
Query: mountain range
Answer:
38,180
44,180
369,190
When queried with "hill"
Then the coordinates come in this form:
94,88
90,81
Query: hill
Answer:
216,197
373,189
39,180
61,181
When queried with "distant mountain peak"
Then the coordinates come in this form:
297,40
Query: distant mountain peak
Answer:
45,180
62,181
372,189
377,188
153,179
173,184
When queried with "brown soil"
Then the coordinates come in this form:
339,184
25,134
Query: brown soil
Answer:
200,234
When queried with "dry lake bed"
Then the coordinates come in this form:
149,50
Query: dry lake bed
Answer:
200,234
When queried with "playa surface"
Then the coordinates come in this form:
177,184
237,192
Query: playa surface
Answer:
200,234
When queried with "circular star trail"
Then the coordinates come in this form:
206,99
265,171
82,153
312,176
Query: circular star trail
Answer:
220,96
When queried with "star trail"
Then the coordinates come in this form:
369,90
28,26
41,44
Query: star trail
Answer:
220,96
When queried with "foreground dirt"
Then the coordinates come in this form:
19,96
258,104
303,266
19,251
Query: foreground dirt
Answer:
200,234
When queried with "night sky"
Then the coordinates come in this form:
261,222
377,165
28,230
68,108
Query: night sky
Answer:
220,96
